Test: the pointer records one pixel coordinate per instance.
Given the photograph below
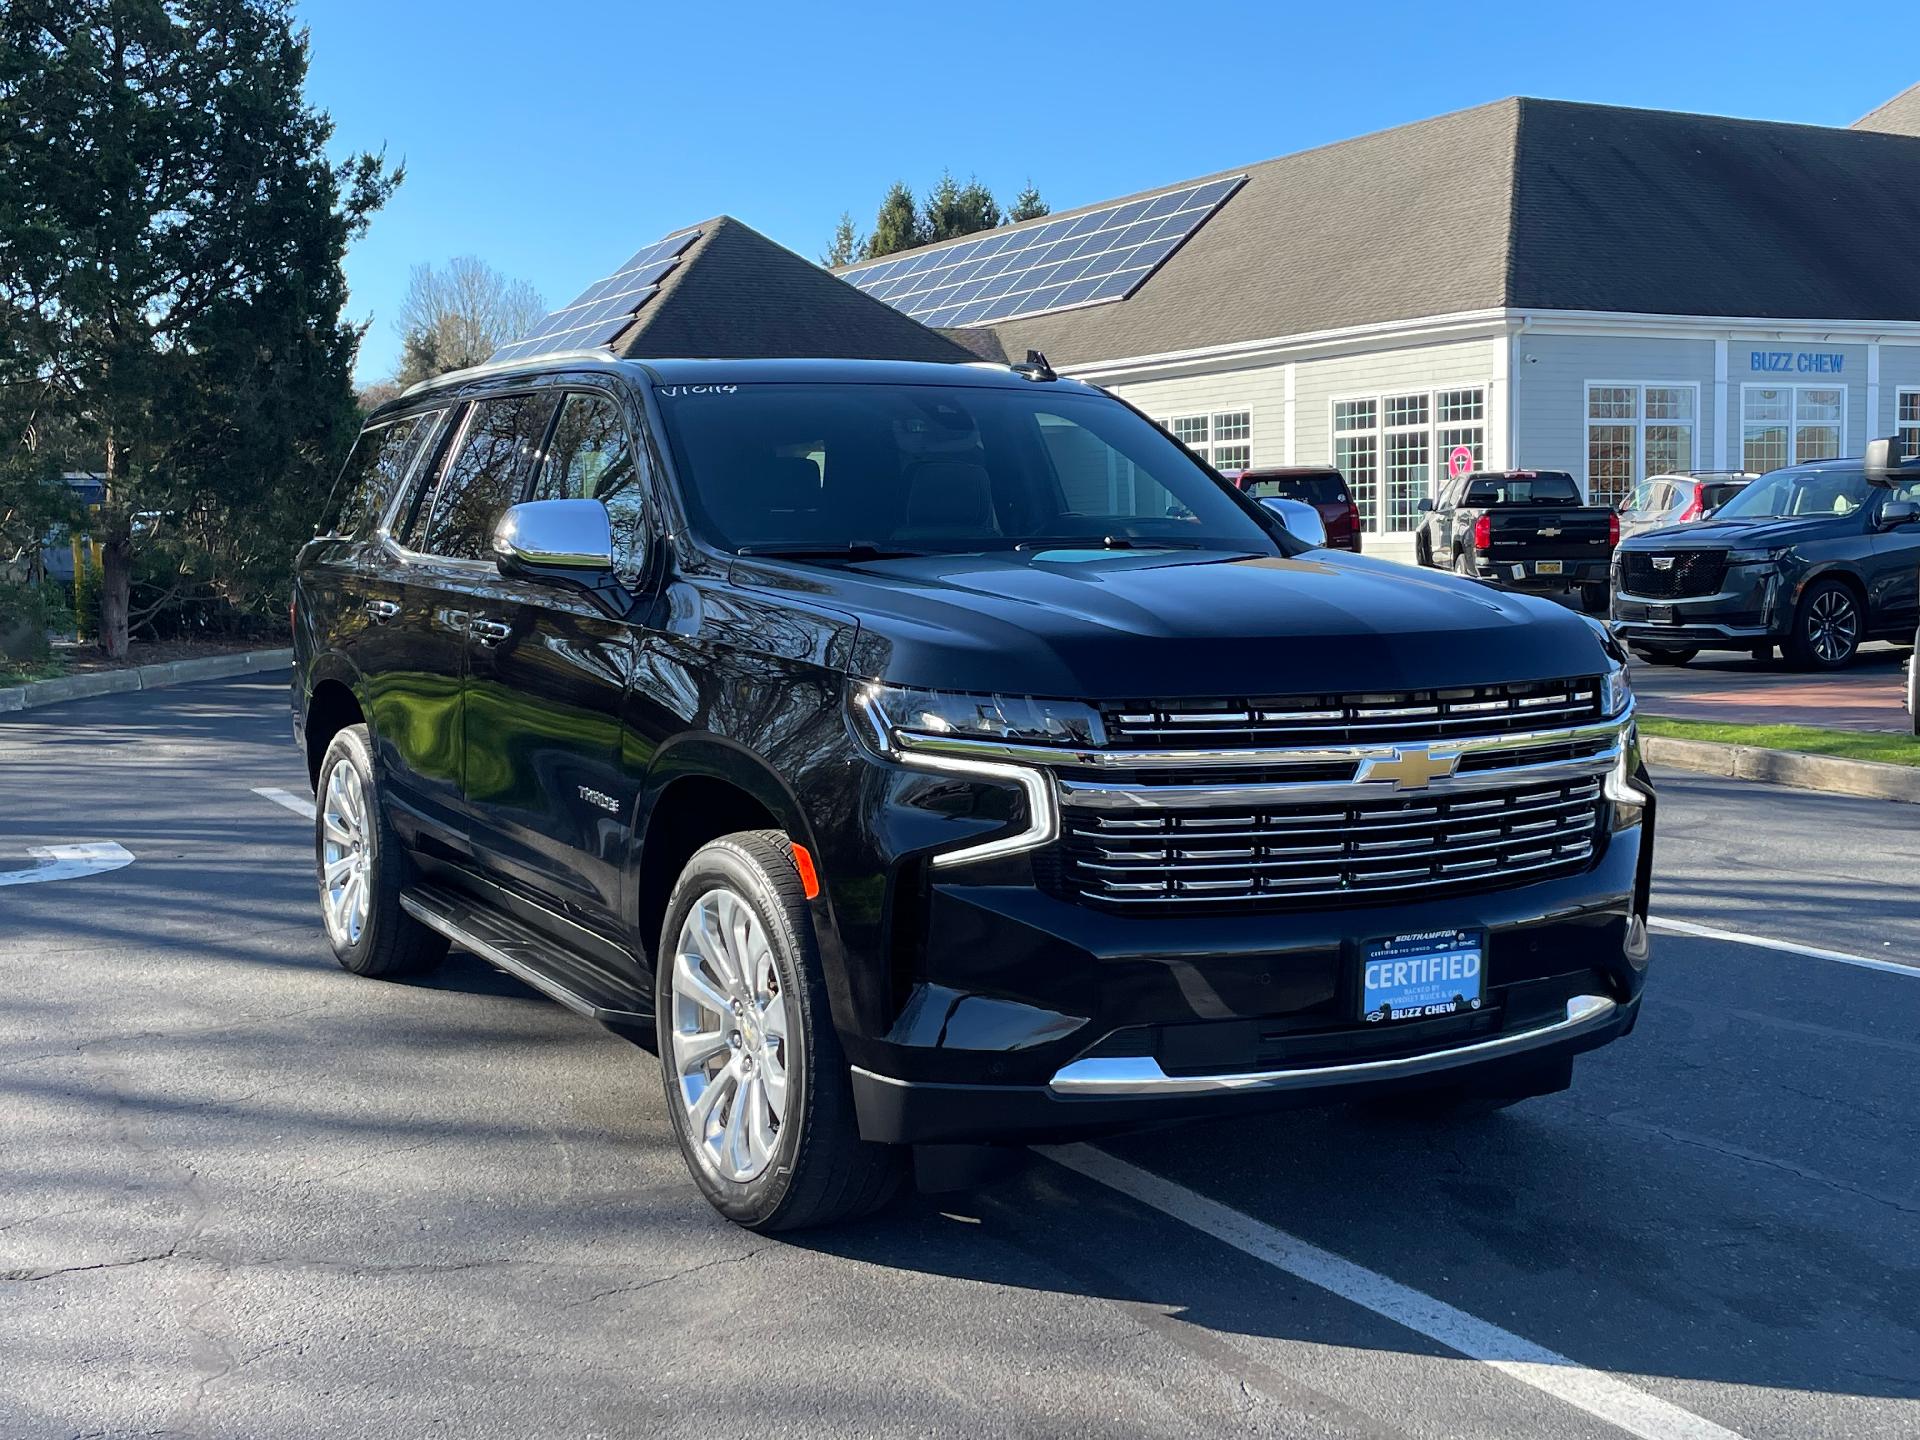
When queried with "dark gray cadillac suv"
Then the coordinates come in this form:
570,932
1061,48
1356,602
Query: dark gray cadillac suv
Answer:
1815,558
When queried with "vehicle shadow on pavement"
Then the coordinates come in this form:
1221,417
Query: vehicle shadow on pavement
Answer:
1615,1244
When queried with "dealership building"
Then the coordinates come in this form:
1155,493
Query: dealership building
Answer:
1531,283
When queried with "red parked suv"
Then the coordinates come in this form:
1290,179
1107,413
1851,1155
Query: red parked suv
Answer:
1320,486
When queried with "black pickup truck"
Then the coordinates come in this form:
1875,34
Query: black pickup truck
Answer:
1525,529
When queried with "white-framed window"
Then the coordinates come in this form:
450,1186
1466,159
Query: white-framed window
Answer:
1224,439
1789,424
1906,420
1635,430
1393,448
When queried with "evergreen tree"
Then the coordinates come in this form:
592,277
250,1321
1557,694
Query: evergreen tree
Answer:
1028,205
847,245
897,226
170,282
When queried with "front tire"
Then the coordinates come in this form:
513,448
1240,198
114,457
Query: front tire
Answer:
1826,627
362,867
757,1083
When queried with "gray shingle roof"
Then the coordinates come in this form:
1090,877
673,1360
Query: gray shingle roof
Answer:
1899,116
737,295
1529,204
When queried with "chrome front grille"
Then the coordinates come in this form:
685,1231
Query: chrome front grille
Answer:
1345,719
1315,853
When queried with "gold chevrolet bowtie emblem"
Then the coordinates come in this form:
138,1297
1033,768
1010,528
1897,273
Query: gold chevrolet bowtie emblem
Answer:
1411,769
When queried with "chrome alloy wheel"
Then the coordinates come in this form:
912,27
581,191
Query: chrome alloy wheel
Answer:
1832,625
731,1047
344,878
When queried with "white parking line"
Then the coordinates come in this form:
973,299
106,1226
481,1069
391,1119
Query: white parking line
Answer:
70,862
299,804
1594,1391
1790,947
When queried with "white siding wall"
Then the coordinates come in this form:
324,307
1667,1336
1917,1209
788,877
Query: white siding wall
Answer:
1389,372
1899,370
1550,377
1262,391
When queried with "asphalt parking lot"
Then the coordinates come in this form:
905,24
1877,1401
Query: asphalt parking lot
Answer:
1732,687
245,1194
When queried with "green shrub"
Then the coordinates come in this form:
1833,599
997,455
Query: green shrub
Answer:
23,622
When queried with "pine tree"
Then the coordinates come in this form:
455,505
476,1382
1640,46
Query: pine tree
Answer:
847,245
1028,205
180,301
897,226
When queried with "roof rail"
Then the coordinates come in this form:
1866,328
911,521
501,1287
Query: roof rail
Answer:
502,367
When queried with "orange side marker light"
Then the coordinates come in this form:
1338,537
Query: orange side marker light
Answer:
803,862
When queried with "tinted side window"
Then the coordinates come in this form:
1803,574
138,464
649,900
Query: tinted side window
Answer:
591,458
374,473
483,477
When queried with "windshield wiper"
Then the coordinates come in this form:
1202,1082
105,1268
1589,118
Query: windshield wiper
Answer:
1113,542
852,550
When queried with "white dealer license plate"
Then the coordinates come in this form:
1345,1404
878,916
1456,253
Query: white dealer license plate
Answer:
1546,567
1418,977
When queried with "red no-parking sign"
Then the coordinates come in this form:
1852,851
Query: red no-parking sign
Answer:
1459,461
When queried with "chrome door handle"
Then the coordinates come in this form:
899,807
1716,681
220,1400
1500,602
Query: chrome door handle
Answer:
490,632
381,610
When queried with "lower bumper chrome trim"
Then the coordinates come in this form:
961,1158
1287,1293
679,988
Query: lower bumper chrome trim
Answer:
1142,1075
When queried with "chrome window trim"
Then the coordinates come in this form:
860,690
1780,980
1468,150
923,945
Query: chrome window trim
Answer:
1141,1075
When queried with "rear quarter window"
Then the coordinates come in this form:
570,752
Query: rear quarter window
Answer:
374,473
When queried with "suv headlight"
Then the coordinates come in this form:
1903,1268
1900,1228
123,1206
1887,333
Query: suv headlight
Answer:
1019,719
1756,557
1616,692
909,725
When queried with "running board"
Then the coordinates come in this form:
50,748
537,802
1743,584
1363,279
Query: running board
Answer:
526,954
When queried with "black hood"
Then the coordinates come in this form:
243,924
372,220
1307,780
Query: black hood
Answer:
1110,625
1755,534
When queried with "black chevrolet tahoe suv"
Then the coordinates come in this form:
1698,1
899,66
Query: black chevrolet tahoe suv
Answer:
1815,558
940,756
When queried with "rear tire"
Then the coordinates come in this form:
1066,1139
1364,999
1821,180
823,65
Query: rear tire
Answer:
756,1080
1664,657
1826,627
1594,598
1464,566
362,867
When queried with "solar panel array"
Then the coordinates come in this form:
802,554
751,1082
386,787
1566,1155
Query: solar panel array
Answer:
1083,259
606,307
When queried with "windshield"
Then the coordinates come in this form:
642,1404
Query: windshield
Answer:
1790,493
1546,488
939,468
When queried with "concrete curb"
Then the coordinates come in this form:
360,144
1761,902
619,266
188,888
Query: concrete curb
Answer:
1867,778
141,677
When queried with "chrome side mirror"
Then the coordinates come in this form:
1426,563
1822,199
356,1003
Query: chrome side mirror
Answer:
1898,512
1301,519
561,542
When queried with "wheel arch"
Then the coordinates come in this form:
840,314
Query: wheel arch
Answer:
332,704
698,789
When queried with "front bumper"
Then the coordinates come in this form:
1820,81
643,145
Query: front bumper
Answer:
1032,1015
1125,1095
1751,606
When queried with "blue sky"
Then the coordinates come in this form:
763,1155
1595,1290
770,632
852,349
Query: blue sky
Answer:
554,139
